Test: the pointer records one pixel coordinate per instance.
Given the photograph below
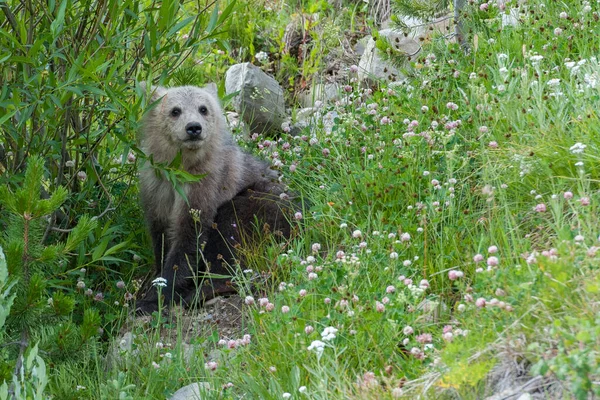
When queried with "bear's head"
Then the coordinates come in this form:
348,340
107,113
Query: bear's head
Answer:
185,117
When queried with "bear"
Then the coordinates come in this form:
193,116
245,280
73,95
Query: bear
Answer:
236,196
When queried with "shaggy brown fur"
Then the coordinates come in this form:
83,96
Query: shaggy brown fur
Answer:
236,189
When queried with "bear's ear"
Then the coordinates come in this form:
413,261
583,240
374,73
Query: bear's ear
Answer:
212,89
156,92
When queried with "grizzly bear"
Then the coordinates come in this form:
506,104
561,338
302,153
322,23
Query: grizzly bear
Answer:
237,195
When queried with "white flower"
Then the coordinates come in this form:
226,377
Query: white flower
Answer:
317,346
159,282
328,333
577,148
553,82
261,56
536,58
286,395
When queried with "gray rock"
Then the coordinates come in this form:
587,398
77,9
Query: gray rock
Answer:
373,67
260,99
404,41
195,391
324,92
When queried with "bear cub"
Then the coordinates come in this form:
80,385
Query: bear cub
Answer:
237,193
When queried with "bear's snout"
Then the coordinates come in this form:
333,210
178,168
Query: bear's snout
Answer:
194,131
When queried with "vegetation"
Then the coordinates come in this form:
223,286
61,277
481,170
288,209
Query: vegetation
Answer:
450,227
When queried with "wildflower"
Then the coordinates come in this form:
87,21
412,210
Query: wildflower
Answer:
356,234
131,158
579,238
536,59
211,365
99,296
327,300
155,365
478,258
261,56
82,176
317,346
584,201
286,395
326,152
452,106
159,282
480,302
492,261
577,148
354,68
493,249
484,6
80,285
308,329
298,215
249,300
390,289
461,308
424,284
316,247
312,276
408,330
558,31
454,275
405,237
424,338
568,195
379,307
393,255
540,208
270,307
285,309
417,353
120,285
563,15
263,301
302,292
493,144
328,333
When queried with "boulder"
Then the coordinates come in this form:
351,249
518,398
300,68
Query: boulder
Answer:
260,99
195,391
324,92
404,41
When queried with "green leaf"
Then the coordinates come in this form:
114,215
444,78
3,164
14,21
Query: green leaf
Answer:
177,27
226,12
57,25
214,18
583,336
116,248
100,249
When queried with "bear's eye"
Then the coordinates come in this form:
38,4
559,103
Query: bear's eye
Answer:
203,110
176,112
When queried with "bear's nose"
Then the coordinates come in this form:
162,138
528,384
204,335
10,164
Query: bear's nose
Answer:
194,129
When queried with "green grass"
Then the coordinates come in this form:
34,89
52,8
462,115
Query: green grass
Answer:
418,200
